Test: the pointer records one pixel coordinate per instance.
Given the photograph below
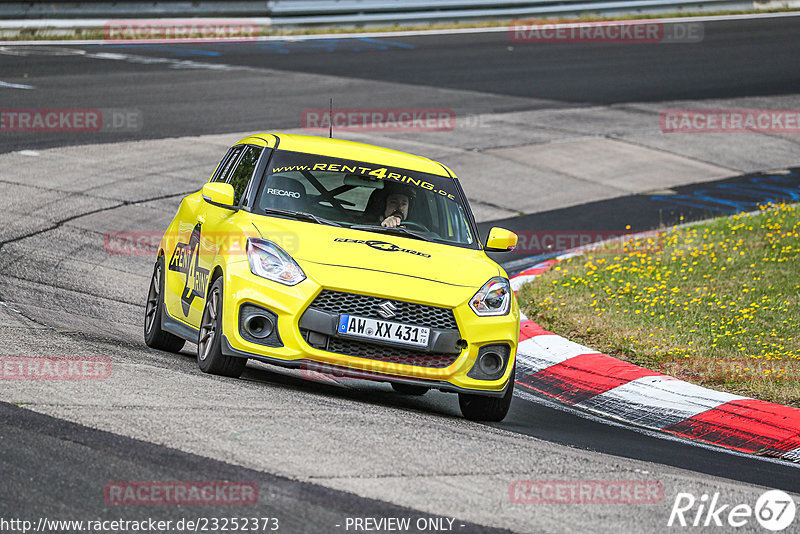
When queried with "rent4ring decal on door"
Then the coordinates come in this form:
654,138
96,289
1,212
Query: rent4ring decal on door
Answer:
186,259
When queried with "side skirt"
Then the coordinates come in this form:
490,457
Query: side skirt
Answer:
173,326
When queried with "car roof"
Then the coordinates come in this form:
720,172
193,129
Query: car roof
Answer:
340,148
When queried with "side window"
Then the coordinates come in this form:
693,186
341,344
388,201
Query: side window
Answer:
224,168
241,175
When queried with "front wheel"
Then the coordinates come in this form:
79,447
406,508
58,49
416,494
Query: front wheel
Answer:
154,336
209,343
483,408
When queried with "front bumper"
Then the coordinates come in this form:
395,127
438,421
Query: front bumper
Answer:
290,304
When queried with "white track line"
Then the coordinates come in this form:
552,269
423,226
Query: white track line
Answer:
15,85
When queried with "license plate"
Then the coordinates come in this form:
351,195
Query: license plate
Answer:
351,325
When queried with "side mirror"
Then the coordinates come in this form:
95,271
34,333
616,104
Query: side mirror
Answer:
219,194
500,240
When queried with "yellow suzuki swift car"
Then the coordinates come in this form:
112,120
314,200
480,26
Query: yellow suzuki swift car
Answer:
342,258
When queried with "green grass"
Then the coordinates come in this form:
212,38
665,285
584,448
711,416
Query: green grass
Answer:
29,34
716,303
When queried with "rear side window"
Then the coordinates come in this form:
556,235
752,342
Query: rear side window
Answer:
240,176
224,169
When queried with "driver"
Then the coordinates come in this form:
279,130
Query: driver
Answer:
397,204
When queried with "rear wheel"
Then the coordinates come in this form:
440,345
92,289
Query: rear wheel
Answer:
409,389
154,336
209,344
483,408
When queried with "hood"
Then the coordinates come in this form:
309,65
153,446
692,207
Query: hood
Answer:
358,249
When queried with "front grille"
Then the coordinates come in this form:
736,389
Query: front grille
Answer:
373,351
366,306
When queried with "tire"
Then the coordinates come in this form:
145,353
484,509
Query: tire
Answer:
483,408
209,341
409,389
154,336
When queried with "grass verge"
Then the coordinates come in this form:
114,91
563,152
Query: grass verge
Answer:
715,303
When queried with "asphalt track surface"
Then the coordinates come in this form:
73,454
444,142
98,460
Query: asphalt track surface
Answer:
28,437
492,74
472,74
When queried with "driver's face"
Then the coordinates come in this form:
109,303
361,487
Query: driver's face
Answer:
396,202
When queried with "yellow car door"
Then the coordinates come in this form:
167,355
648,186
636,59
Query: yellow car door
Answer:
200,234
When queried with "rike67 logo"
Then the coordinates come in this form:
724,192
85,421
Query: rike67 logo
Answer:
774,510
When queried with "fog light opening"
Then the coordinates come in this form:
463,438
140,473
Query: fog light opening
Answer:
259,326
490,362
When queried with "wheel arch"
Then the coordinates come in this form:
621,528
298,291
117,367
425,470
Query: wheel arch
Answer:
215,273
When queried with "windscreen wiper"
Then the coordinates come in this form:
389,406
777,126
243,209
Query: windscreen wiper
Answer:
397,230
300,215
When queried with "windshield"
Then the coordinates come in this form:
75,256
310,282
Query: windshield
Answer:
363,195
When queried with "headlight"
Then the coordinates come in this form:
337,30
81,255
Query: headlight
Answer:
270,261
494,298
